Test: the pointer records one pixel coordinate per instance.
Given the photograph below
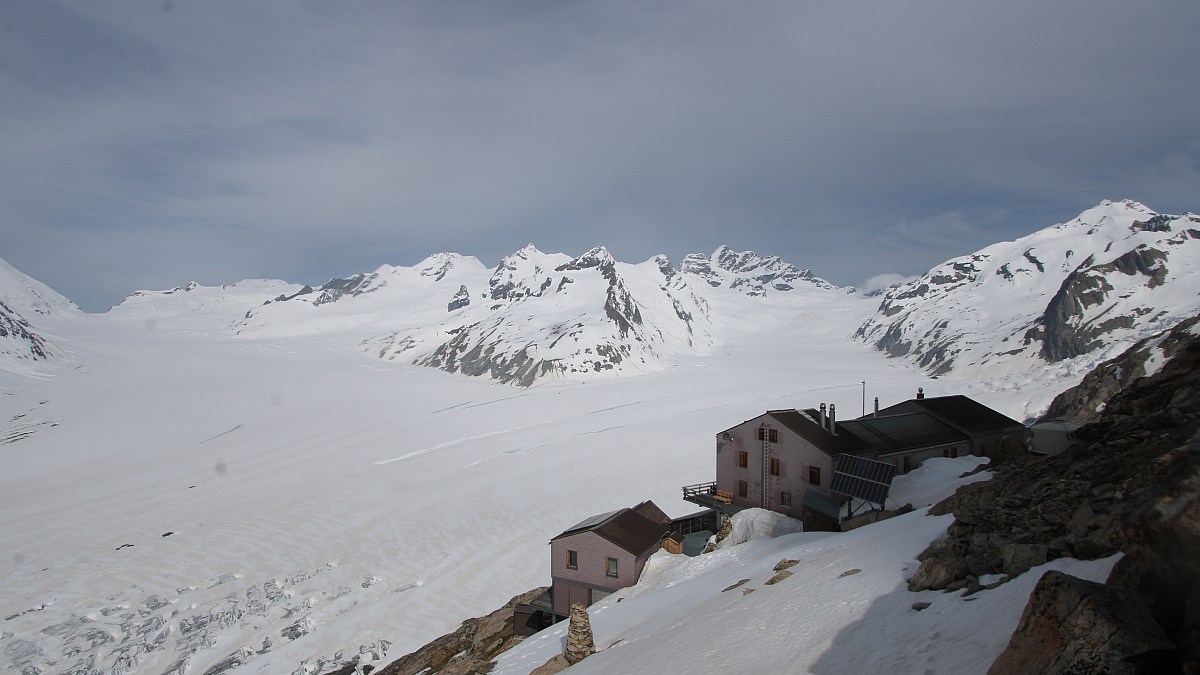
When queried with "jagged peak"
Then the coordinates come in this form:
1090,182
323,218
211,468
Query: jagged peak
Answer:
598,257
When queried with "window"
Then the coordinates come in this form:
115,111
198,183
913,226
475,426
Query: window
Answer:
610,567
770,435
572,560
743,458
814,475
743,488
774,466
785,499
950,452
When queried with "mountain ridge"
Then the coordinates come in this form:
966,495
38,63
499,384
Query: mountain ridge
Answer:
1113,275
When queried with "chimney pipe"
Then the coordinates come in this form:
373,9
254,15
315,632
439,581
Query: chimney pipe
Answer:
876,413
832,419
920,393
823,425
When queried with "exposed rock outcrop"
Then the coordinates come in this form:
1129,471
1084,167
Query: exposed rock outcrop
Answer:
1132,485
1086,402
469,649
1076,626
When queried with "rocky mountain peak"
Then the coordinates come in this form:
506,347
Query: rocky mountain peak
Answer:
1115,273
753,274
598,257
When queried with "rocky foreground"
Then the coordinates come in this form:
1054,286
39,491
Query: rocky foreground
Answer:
1132,486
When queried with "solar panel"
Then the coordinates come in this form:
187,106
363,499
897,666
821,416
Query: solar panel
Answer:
594,520
863,478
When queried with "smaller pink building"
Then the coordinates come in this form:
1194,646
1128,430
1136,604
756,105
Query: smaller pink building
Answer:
604,553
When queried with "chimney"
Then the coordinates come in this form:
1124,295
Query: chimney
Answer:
876,413
920,393
832,419
823,425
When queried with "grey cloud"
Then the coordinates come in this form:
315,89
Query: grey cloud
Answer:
307,140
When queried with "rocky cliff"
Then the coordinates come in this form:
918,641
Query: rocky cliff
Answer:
1132,486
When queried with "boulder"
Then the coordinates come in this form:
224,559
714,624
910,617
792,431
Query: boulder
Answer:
937,573
1071,625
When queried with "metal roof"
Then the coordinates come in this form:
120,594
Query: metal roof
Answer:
807,427
902,432
965,413
626,528
589,523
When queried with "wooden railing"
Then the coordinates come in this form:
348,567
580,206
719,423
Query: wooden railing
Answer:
706,489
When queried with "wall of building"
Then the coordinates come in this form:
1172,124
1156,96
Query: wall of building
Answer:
592,550
795,454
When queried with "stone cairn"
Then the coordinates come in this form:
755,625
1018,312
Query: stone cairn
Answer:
579,636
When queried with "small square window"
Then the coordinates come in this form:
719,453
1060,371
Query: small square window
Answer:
775,466
572,560
774,436
743,488
771,435
610,567
785,499
743,458
814,475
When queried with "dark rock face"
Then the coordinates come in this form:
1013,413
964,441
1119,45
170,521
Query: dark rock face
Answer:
1061,328
30,345
1133,485
1085,402
461,299
335,289
1075,626
469,649
474,355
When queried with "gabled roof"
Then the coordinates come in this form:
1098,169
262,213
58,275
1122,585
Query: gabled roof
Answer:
805,424
894,433
626,528
966,413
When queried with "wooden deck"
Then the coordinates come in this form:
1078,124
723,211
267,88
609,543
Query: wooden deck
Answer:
707,494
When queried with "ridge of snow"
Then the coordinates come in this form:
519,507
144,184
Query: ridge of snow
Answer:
30,297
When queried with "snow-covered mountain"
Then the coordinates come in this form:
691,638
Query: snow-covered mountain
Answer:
535,315
23,302
211,307
1083,290
749,272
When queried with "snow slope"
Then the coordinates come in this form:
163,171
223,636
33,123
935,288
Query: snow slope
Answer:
1071,295
844,609
24,301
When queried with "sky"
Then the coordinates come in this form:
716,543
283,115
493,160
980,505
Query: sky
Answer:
150,143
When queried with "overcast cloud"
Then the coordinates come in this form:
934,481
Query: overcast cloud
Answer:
147,144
